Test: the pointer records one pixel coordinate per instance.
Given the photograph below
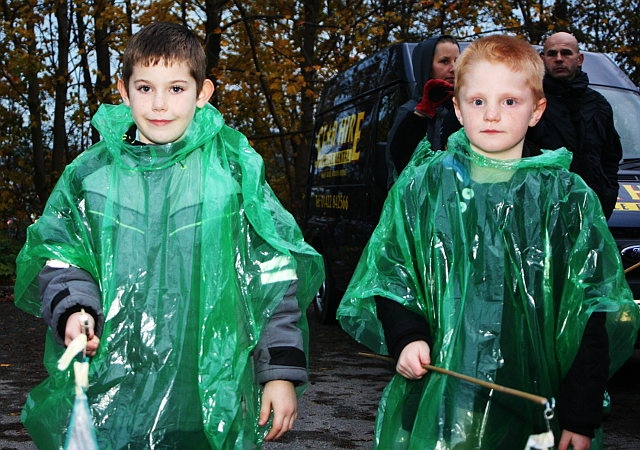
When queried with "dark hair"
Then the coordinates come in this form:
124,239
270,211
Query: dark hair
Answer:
447,38
167,43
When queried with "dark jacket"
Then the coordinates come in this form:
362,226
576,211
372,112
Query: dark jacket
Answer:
581,119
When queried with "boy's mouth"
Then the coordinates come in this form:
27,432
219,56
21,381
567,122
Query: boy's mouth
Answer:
160,122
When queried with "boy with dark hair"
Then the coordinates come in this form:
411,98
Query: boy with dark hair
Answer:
193,274
495,265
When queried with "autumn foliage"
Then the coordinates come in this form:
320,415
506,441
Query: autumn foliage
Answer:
268,61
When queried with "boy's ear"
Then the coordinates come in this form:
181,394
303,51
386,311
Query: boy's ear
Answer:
205,93
122,89
456,108
538,109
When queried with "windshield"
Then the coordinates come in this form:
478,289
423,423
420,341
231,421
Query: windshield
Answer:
626,111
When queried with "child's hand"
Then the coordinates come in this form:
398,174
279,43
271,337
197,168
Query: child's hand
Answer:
75,327
570,440
412,358
279,396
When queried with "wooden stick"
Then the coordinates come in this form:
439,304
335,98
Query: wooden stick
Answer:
630,268
532,397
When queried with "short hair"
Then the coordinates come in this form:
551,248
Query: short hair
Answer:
168,43
516,54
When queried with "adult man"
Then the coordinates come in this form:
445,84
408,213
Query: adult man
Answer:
579,119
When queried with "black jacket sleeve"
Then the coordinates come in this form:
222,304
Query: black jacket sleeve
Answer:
401,326
581,394
404,141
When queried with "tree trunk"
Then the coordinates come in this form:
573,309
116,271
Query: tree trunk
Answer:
213,36
35,124
60,89
103,60
273,111
311,14
87,82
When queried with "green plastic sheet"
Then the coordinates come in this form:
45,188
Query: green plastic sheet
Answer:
192,252
505,260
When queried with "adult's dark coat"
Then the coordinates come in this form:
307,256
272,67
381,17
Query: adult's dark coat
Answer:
581,119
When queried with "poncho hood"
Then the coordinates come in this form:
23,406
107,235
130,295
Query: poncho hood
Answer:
113,122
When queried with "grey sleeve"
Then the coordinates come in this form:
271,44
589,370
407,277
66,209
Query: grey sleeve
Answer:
279,354
66,289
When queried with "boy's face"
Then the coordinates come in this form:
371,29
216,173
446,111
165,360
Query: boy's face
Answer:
496,106
163,100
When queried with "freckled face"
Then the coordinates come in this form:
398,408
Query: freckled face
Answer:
163,100
496,106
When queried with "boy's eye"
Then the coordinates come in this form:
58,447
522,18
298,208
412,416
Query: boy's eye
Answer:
144,88
510,102
477,102
177,89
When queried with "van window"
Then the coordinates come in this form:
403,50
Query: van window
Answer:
353,82
389,103
626,110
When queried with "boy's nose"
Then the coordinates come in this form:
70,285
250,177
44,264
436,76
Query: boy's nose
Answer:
159,102
491,114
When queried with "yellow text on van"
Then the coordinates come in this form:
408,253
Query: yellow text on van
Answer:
343,134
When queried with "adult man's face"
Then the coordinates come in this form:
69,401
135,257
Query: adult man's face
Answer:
561,56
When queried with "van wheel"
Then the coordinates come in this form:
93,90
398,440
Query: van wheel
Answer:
325,303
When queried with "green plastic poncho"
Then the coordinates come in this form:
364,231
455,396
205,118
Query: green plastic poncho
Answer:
192,252
505,260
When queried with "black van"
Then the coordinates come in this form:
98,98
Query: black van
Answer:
348,174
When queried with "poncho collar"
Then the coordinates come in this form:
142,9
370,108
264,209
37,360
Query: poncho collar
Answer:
459,143
113,121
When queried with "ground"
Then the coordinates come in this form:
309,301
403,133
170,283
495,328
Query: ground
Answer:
336,412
